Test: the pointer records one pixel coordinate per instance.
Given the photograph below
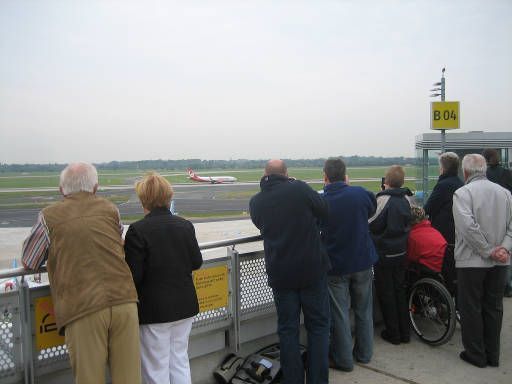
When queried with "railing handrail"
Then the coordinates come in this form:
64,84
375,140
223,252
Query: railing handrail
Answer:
20,271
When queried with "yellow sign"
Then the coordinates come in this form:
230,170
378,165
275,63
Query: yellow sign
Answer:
45,326
444,115
211,287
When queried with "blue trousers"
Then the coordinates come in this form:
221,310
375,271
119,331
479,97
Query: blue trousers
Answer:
314,302
351,291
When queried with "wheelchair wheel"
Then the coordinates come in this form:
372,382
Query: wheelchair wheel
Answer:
432,311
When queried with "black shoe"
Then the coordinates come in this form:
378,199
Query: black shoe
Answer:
405,339
385,336
464,356
493,363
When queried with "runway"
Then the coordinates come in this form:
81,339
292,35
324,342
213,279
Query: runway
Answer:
189,198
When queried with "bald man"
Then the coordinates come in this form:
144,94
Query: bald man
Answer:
286,211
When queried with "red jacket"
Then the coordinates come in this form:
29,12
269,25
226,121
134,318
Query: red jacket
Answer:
426,246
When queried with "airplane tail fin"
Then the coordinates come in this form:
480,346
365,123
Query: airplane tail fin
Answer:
191,173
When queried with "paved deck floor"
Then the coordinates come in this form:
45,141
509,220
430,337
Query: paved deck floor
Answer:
418,363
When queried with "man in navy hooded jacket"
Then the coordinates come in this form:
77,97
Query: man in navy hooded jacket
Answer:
346,236
286,211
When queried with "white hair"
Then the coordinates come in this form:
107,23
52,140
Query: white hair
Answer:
449,161
474,164
78,177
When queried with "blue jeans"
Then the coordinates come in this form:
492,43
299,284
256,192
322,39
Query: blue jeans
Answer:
314,302
352,290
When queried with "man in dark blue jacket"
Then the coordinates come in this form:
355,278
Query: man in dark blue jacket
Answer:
390,228
286,211
439,209
346,236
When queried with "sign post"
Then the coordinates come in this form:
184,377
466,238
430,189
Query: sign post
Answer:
443,114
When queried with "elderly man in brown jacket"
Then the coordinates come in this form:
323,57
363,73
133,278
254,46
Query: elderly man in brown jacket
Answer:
93,293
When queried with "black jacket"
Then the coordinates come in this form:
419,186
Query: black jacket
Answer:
439,205
162,251
499,175
286,212
391,224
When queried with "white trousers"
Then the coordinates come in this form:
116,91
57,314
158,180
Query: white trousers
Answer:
164,352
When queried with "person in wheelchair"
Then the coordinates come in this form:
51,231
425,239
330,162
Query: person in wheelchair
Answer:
426,248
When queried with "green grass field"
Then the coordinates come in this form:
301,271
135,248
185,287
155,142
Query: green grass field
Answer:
40,199
128,177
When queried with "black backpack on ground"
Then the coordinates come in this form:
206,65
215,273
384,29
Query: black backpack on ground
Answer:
262,367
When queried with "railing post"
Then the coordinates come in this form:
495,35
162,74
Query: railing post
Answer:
234,334
26,332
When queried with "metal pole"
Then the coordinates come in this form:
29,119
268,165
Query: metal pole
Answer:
234,333
443,132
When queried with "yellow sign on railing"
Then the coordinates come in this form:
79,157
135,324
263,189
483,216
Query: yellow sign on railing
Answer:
444,115
212,293
45,326
211,287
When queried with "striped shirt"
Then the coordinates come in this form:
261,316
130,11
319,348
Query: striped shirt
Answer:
36,245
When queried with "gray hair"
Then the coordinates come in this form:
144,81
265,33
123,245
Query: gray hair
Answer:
78,177
449,162
474,164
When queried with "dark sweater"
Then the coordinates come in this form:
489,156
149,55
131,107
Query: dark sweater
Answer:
345,233
390,225
286,213
499,175
439,205
162,251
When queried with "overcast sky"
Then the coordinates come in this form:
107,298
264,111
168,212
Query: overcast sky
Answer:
132,80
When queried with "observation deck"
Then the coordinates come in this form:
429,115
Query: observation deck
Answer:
237,315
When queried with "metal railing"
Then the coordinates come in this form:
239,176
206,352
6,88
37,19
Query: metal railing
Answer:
23,359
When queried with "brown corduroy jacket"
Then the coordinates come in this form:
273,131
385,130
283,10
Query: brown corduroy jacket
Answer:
86,265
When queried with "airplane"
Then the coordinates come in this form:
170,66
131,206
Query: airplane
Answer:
210,179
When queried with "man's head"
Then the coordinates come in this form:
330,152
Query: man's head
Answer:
78,177
276,167
491,156
394,177
154,191
449,163
473,165
334,170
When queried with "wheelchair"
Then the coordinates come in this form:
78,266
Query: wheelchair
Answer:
432,310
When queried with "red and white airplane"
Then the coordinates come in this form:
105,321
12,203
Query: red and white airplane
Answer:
210,179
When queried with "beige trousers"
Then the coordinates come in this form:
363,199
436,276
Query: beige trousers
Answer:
109,336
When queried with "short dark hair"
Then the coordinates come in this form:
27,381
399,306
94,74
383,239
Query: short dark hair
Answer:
491,156
449,161
335,169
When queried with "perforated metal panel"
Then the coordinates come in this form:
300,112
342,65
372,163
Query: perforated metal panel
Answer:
203,319
49,356
255,294
9,336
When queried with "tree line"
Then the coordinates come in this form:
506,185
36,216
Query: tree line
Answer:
351,161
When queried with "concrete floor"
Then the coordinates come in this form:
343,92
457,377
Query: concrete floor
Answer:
418,363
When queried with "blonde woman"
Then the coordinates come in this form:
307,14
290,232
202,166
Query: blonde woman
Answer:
162,251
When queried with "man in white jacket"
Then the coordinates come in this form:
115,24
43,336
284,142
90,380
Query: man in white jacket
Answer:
482,213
